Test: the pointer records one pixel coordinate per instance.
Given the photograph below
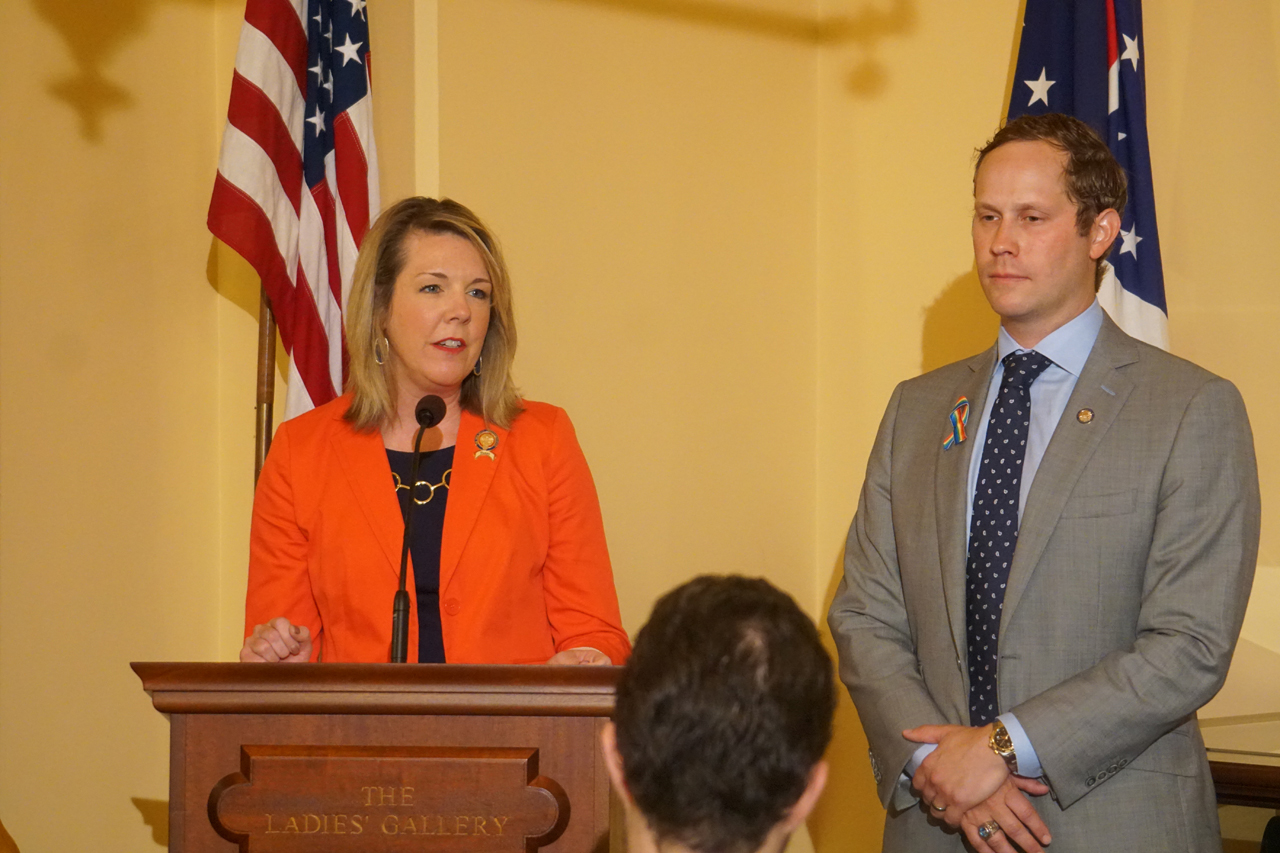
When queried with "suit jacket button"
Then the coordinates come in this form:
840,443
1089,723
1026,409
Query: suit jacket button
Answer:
1123,762
1089,782
1113,769
453,607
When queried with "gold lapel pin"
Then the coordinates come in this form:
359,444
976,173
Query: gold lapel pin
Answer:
486,441
1084,416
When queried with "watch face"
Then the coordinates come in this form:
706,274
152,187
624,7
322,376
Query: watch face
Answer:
1002,745
1001,742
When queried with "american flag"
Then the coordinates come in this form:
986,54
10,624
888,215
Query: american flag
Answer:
298,177
1084,58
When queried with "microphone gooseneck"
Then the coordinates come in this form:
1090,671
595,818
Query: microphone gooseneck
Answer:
429,412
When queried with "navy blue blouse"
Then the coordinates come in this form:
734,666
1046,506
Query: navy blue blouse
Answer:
432,494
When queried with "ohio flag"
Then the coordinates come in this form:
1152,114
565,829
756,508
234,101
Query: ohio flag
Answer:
1084,58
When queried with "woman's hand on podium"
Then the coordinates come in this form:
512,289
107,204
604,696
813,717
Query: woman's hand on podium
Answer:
277,641
583,656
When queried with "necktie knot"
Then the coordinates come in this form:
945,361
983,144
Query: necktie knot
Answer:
1022,368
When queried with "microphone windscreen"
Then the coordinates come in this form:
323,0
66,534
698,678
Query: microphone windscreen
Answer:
429,411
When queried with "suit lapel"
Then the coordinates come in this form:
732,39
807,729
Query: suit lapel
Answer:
363,460
469,483
951,489
1103,388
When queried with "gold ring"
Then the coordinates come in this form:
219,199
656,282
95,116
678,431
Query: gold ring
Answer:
988,829
937,808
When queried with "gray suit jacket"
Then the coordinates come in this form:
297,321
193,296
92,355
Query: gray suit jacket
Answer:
1125,597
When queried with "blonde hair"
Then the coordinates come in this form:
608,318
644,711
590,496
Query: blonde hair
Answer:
492,395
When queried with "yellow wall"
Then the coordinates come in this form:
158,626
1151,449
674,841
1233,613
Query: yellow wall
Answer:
110,442
733,224
1214,98
653,180
905,98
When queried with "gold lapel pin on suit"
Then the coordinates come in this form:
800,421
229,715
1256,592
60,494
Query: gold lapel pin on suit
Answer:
486,440
1085,416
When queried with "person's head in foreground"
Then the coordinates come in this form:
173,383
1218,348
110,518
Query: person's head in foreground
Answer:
723,712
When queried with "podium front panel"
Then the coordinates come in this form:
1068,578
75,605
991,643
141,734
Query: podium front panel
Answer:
282,758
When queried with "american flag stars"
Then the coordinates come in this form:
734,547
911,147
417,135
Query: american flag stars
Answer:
1130,50
297,182
1129,241
1040,88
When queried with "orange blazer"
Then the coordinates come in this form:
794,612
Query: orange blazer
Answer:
524,569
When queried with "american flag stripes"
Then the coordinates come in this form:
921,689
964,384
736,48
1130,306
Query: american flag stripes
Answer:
298,177
1084,58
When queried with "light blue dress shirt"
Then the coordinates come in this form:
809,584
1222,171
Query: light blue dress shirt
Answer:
1068,347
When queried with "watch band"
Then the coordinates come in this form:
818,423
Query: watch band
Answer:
1002,745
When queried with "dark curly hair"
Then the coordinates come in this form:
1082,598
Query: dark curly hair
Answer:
723,710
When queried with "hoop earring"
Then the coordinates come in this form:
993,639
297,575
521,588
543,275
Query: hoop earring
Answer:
476,370
378,356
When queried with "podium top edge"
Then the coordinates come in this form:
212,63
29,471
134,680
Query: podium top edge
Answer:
330,688
188,677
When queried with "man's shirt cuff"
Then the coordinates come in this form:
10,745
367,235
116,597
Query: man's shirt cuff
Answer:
1028,761
917,758
903,796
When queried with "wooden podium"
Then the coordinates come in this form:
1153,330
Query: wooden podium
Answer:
272,758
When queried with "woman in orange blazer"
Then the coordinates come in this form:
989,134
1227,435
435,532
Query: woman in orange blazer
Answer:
523,571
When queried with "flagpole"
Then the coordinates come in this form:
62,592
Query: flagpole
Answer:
266,382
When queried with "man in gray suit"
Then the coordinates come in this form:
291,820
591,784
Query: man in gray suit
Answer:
1037,598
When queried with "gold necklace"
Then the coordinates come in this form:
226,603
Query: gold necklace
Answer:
443,484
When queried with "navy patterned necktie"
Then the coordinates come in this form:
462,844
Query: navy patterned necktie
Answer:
993,530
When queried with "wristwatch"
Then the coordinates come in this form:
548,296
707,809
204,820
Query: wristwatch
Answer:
1002,745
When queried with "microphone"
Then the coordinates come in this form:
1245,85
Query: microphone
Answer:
429,412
